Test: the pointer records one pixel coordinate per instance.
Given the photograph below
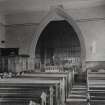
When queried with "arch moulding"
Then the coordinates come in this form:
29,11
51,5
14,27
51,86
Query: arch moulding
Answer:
54,14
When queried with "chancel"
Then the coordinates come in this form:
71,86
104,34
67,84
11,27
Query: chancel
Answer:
52,52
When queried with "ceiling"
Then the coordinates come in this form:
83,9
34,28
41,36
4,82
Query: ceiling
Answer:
13,6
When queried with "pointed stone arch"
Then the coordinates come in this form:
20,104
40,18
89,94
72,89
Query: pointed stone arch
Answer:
54,14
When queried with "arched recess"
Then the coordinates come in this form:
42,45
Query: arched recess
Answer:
54,14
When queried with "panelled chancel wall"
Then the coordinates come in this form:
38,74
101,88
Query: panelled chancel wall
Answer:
21,27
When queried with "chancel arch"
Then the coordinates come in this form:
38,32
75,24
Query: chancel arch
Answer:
58,17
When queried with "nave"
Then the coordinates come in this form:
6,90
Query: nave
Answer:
55,76
52,52
53,88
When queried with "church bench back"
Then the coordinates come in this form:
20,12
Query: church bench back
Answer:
96,86
52,75
22,90
61,77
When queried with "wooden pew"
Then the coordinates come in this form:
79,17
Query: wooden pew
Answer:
22,90
50,76
96,86
63,77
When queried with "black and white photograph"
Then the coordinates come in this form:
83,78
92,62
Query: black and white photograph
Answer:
52,52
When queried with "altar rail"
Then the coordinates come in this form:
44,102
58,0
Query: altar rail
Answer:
54,69
25,63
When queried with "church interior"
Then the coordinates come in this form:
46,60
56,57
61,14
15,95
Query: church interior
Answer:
52,52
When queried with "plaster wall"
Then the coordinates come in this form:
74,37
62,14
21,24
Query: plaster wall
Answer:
20,28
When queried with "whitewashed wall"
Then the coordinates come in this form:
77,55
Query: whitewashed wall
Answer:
21,27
